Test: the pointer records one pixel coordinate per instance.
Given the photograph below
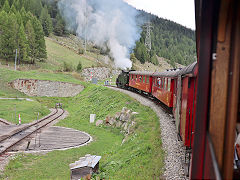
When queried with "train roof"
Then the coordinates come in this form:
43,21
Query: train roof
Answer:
141,73
166,73
186,70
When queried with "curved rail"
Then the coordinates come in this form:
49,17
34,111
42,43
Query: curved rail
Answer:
26,131
4,122
24,127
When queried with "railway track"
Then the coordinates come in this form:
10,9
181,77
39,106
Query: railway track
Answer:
4,122
24,131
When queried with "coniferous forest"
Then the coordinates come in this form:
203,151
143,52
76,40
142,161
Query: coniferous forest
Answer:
170,40
24,23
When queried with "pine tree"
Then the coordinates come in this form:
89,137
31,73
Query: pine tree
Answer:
39,39
19,18
144,55
23,47
3,28
59,28
23,14
6,6
35,6
46,21
154,59
13,9
133,58
10,2
25,4
31,40
17,5
8,40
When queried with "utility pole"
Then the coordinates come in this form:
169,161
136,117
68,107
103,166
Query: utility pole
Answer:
148,42
16,61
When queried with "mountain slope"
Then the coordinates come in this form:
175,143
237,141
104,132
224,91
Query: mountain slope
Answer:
170,40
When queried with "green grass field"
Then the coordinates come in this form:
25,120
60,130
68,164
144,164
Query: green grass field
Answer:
58,54
27,109
141,157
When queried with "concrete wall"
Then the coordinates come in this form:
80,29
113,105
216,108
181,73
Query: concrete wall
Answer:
33,87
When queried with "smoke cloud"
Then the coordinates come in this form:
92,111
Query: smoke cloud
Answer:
110,23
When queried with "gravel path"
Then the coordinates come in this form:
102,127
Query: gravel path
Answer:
173,148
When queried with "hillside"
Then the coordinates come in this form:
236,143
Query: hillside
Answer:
170,40
93,58
23,27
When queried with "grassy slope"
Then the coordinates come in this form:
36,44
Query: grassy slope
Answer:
141,157
27,109
58,54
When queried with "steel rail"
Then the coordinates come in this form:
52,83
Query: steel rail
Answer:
3,150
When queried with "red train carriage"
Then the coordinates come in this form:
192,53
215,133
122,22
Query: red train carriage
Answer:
163,87
188,83
141,80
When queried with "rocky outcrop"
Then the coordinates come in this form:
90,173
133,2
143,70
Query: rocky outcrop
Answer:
125,120
34,87
100,73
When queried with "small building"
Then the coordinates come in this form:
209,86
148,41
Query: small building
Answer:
85,167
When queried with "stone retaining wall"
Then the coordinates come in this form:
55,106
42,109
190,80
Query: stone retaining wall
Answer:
34,87
100,73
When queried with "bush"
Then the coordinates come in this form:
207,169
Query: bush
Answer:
81,51
133,58
79,67
67,67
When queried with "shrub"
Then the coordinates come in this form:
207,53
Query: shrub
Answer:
80,51
67,67
79,67
133,58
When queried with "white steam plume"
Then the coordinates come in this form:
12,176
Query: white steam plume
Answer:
109,22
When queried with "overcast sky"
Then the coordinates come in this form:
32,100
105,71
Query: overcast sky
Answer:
180,11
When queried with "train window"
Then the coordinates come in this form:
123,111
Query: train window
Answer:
143,79
140,78
159,82
165,84
136,77
189,83
162,83
169,84
147,79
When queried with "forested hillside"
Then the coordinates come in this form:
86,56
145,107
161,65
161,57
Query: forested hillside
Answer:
169,40
24,23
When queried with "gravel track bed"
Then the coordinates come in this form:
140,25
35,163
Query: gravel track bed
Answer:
173,148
